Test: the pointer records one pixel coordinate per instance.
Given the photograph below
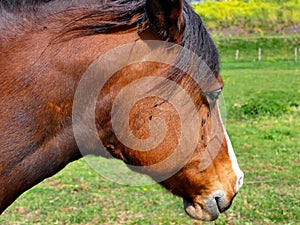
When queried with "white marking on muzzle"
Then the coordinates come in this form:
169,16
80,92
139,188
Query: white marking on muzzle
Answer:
234,163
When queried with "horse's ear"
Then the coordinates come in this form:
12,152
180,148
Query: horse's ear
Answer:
165,18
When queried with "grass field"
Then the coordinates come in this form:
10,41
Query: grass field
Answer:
273,48
266,138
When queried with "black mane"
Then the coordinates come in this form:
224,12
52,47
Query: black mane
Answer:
11,5
197,39
92,17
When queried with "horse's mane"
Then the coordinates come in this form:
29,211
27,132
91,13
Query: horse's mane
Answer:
78,17
92,17
13,5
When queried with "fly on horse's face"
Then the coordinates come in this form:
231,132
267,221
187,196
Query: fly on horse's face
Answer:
46,49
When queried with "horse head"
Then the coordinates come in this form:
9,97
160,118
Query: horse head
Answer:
135,80
167,122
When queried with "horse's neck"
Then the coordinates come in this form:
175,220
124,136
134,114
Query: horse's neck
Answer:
39,81
47,160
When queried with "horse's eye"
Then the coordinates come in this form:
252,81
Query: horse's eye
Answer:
213,96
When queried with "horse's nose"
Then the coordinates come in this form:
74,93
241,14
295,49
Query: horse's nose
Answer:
239,181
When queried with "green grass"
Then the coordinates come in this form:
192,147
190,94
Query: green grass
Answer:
276,91
279,48
267,147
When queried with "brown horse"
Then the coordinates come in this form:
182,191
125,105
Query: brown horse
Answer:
46,49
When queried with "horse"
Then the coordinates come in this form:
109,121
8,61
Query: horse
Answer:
47,47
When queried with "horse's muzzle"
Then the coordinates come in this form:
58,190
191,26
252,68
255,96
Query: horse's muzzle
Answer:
207,210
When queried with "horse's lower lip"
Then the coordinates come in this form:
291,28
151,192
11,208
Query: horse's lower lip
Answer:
199,212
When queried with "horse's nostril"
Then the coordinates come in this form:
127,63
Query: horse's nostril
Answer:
240,182
222,204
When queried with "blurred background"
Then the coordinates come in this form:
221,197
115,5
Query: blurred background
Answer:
272,25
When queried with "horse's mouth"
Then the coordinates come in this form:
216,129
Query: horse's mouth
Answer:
209,210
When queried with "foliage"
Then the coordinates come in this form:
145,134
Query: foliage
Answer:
251,16
267,103
276,94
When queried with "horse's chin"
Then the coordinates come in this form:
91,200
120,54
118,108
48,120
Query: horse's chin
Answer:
205,212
